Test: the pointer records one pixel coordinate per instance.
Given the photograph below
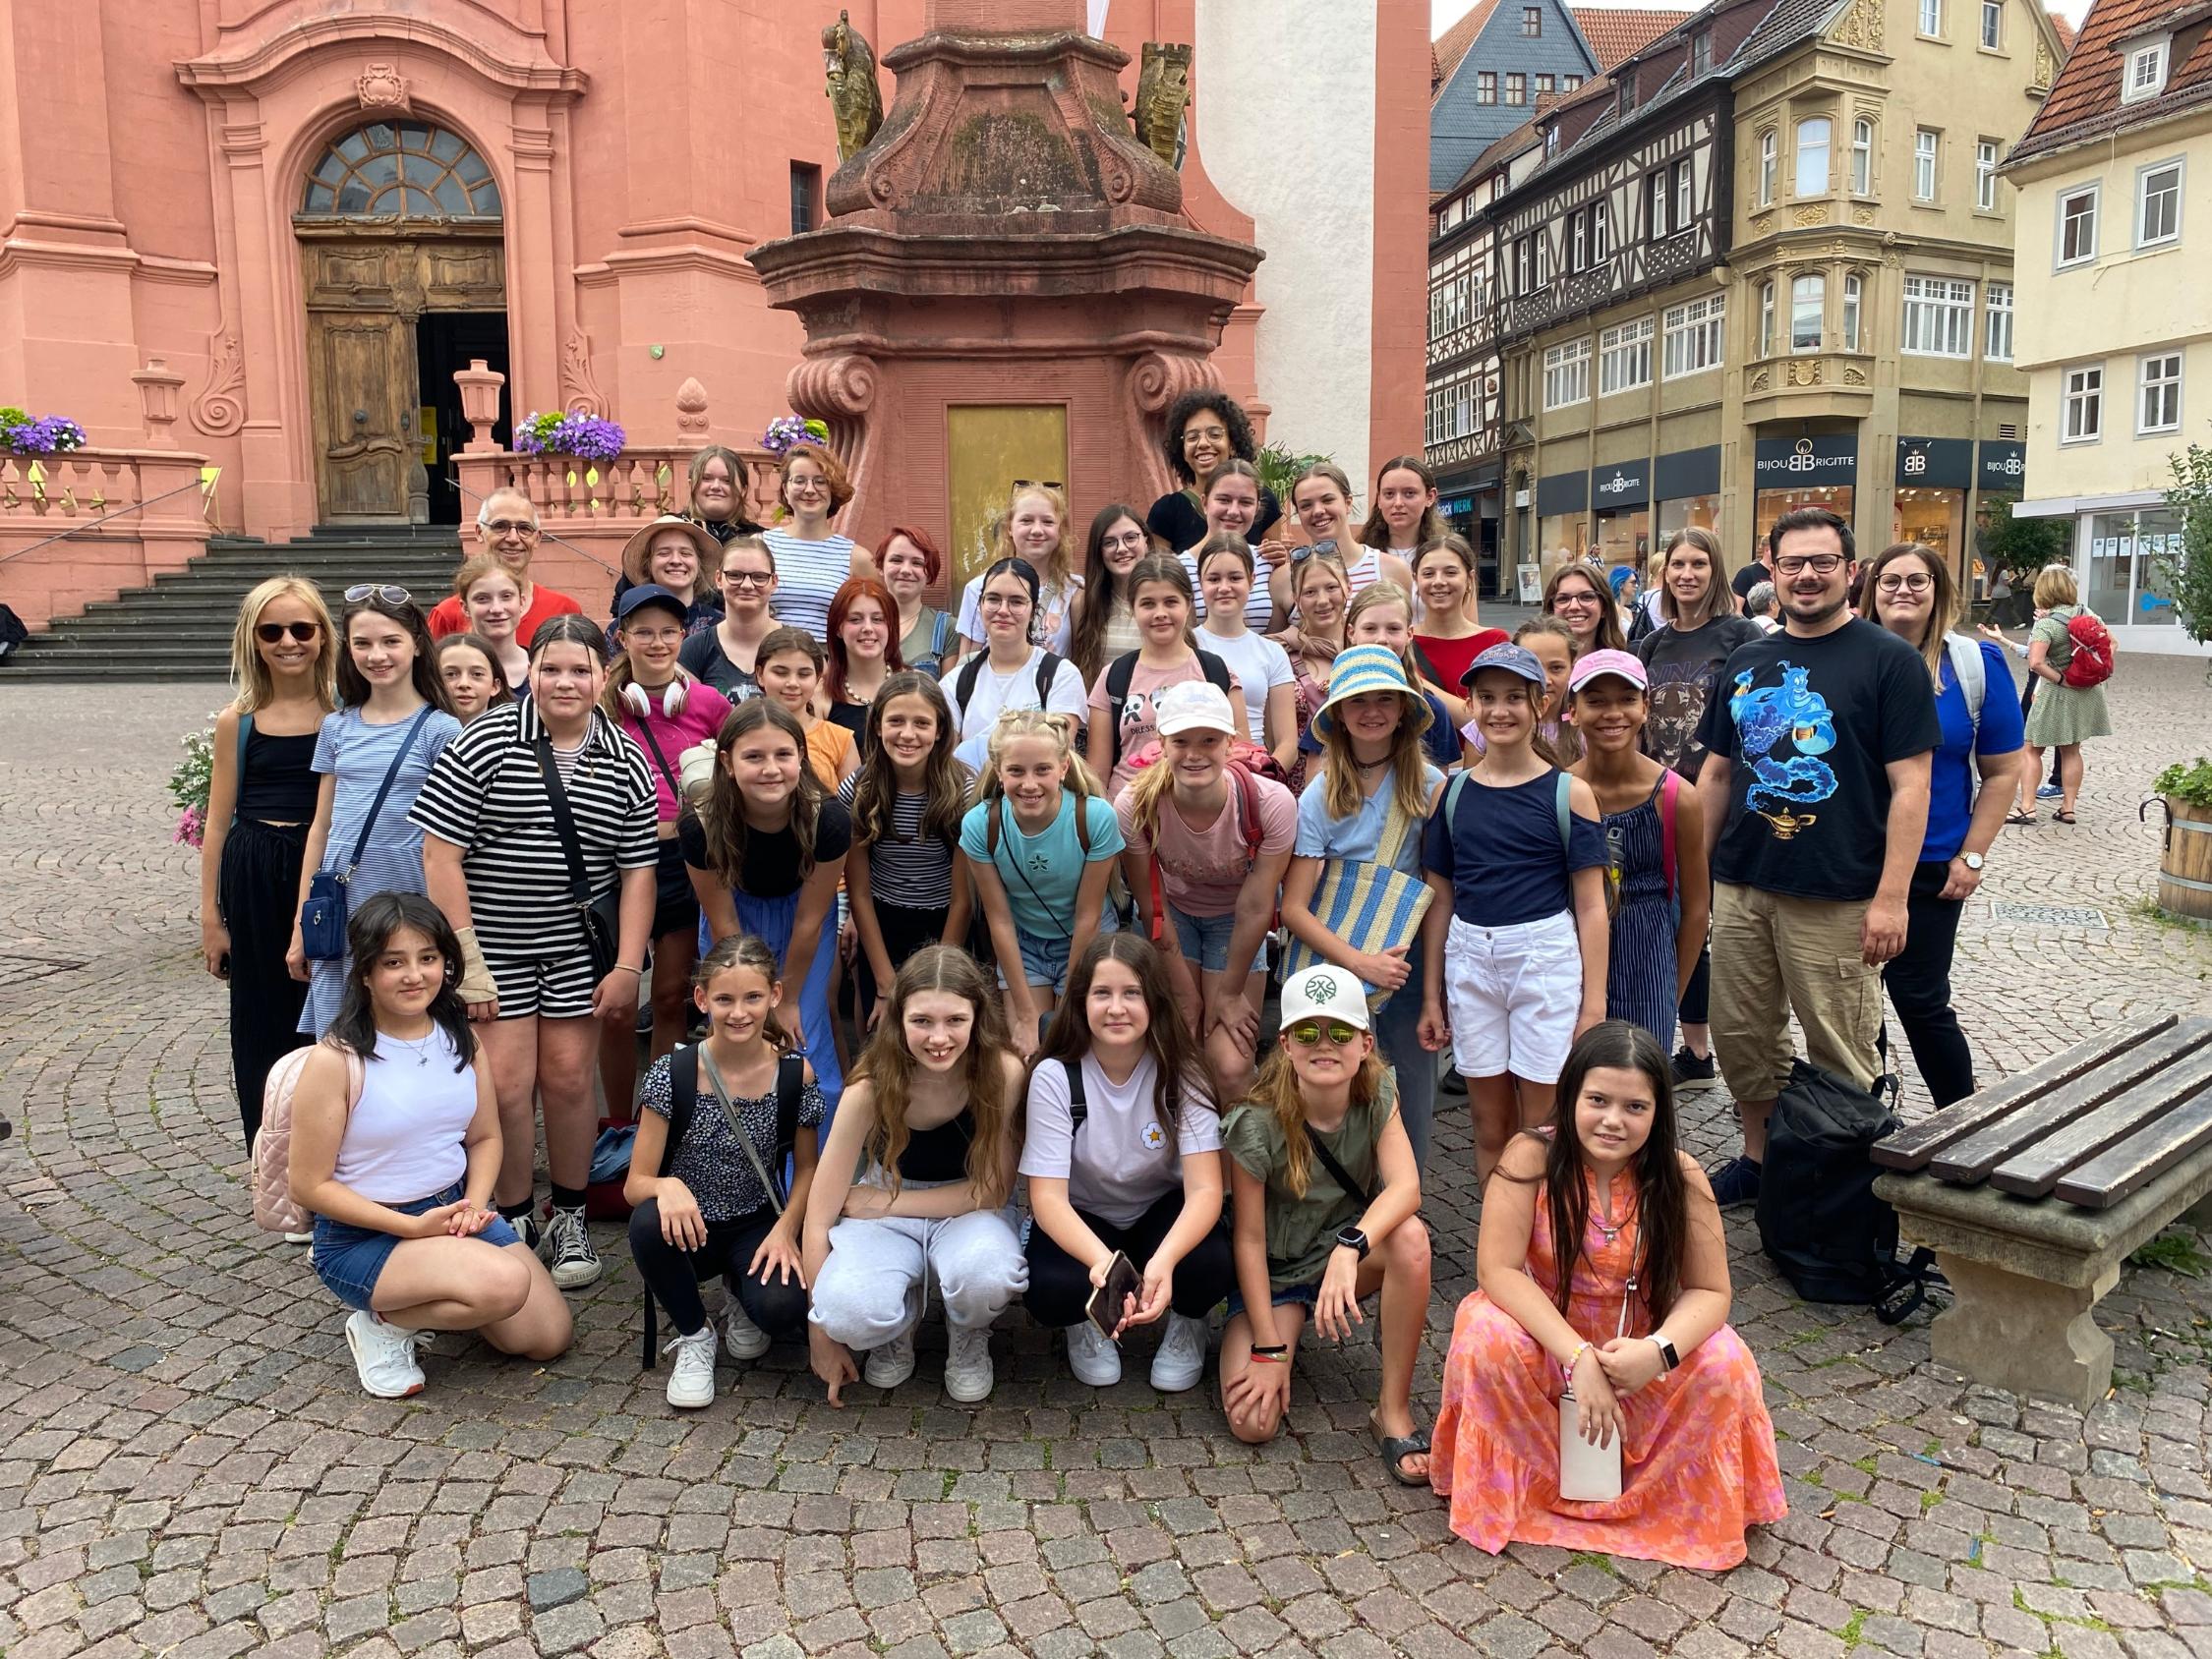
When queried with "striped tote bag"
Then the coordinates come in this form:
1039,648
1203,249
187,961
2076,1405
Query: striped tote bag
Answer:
1372,908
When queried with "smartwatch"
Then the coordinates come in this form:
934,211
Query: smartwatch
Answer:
1972,861
1352,1239
1669,1358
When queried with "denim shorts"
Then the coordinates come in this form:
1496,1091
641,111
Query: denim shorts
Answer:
1288,1295
1204,939
1044,956
349,1260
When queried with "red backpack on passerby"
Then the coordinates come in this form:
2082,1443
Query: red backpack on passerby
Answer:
2090,661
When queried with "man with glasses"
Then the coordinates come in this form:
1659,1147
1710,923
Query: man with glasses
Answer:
1814,790
506,528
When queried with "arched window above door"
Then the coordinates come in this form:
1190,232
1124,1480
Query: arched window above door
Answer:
401,169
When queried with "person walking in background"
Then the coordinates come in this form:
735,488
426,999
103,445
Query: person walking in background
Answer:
812,560
506,528
1815,794
1760,569
1909,590
262,794
2062,717
373,757
1761,605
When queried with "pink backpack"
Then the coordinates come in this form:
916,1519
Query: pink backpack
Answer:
274,1208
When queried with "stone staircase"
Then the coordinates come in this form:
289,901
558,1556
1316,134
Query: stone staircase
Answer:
178,628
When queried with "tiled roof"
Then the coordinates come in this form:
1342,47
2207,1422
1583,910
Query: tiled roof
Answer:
2084,101
1451,47
2065,31
1616,33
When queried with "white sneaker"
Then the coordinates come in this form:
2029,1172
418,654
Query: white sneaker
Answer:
1092,1355
304,1237
893,1363
1181,1359
383,1355
568,1249
691,1380
968,1362
740,1335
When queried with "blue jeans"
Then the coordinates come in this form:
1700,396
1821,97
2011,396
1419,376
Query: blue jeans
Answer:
1397,1038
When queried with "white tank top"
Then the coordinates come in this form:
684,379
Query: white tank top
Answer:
403,1137
1366,573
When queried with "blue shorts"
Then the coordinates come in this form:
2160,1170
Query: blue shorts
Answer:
1204,939
1301,1296
1044,956
349,1260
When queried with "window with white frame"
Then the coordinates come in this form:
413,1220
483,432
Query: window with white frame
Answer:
1924,149
1655,205
1812,156
2158,204
1931,17
1854,293
1546,84
1601,234
1693,335
1939,317
1515,87
2081,417
1769,143
1578,252
2146,71
1808,312
1985,175
1624,357
1532,21
1544,258
1568,82
2158,403
2077,225
1682,188
1862,157
1766,318
1993,24
1524,266
1700,52
1997,323
1566,374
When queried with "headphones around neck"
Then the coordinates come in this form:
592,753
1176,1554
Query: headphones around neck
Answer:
639,702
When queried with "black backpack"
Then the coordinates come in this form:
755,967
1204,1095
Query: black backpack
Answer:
1819,1219
683,1101
1121,674
964,681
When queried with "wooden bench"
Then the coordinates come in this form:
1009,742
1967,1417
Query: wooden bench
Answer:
2033,1192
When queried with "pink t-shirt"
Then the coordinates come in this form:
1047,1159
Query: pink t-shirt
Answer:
1204,869
1145,683
704,711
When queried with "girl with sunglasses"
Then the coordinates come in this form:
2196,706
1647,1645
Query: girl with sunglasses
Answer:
262,794
1326,1206
373,757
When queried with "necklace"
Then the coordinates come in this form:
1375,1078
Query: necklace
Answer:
1604,1220
418,1046
1373,765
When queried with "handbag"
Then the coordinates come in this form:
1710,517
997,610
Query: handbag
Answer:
1592,1474
601,916
1372,908
323,917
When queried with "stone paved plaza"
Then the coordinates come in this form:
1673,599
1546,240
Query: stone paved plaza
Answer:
188,1466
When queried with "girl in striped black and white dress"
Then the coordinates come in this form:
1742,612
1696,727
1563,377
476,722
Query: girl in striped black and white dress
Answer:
812,560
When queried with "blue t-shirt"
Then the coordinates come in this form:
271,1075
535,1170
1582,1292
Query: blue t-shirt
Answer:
1357,838
1042,872
1502,851
1951,783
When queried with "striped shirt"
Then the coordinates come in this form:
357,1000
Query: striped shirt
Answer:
487,797
808,575
1259,603
908,867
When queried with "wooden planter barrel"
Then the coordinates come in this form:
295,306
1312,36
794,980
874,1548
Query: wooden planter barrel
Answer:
2184,865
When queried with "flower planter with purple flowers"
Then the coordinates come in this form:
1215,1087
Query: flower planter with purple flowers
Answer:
22,433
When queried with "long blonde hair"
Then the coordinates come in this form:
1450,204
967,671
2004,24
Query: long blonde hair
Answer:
256,686
886,1065
1341,791
1060,566
1276,1090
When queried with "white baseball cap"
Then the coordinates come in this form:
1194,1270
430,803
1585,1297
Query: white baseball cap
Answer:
1327,991
1194,705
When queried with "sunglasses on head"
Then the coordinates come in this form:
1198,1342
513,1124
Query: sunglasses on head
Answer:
1308,1033
268,632
384,591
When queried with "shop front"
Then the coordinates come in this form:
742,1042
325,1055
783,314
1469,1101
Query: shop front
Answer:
1469,504
1931,479
1999,470
1687,484
1562,518
1803,472
2121,561
1620,496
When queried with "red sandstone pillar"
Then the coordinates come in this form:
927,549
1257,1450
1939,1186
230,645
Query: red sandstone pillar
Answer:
1002,17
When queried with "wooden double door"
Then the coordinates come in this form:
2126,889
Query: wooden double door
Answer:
365,295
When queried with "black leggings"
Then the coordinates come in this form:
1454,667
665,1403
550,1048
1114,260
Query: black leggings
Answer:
674,1276
1060,1285
1918,980
258,889
905,932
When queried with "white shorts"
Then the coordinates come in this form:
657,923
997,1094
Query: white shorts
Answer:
1513,994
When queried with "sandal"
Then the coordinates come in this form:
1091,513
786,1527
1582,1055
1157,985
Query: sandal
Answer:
2018,817
1396,1448
2061,816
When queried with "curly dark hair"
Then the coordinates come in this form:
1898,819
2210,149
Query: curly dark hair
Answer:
1241,443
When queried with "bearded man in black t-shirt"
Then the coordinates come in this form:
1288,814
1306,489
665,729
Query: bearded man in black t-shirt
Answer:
1814,790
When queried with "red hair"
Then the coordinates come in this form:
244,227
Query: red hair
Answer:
932,561
840,606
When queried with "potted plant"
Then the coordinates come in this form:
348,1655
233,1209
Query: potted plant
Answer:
189,782
2184,870
22,433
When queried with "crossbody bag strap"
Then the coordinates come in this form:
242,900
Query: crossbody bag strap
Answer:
1397,824
661,761
565,823
384,791
1343,1177
1007,807
738,1128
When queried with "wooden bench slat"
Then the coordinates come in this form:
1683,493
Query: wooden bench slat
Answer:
2148,1153
1911,1147
2034,1171
1973,1158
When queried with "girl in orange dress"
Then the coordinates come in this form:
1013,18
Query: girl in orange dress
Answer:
1637,1319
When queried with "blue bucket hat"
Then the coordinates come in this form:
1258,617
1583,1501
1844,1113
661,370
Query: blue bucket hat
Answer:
1361,669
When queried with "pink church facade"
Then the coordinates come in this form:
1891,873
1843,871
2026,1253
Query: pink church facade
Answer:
260,235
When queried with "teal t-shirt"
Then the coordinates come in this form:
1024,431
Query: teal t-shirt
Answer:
1042,872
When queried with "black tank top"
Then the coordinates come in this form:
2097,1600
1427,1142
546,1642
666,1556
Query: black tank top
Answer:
939,1154
278,785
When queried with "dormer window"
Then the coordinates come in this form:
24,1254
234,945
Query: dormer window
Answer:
2146,77
1700,52
1626,101
1551,142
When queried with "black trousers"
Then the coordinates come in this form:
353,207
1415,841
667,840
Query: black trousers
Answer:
1060,1285
1918,979
257,887
905,932
674,1276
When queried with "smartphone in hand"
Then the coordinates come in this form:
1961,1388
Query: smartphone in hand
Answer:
1107,1301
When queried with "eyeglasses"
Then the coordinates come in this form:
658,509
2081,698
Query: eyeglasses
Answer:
1204,434
1005,602
1919,582
1127,538
1038,483
510,527
1308,1034
384,591
1561,600
268,632
747,578
1820,564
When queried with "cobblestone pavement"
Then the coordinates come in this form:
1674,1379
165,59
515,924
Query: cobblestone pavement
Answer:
189,1469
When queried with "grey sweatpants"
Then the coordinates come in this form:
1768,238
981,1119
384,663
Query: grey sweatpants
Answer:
869,1291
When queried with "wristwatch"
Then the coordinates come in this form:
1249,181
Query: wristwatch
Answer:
1972,861
1669,1358
1352,1239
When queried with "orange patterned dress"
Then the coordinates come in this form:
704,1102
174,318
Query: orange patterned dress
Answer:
1698,1459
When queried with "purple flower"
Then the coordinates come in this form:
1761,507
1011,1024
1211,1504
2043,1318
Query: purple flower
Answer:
587,438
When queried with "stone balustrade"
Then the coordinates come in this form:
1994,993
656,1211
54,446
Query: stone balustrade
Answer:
127,515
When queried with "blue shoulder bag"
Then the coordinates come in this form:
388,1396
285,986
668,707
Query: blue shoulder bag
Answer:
322,918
